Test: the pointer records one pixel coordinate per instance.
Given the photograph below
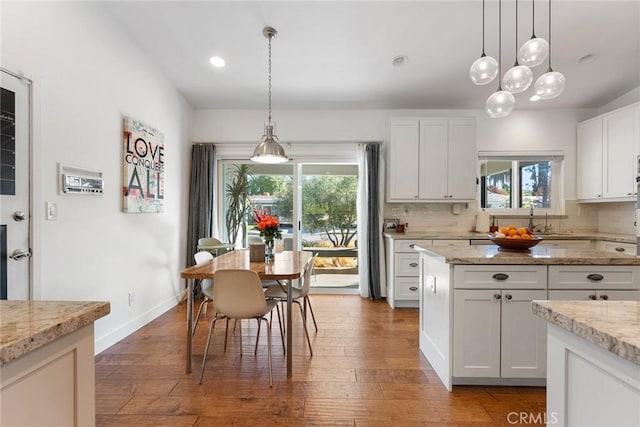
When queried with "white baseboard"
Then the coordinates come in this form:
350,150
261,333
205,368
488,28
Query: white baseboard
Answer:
111,338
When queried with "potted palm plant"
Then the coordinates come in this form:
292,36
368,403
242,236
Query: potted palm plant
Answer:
238,203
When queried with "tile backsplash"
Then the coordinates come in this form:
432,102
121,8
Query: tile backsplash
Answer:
615,218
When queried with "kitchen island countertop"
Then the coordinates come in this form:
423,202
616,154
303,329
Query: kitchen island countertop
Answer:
612,325
472,235
29,325
540,255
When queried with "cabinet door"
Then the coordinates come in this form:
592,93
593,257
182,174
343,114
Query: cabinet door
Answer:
524,336
589,161
476,333
619,135
433,159
402,170
462,159
618,295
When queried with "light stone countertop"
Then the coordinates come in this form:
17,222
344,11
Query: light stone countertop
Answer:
612,325
541,254
28,325
468,235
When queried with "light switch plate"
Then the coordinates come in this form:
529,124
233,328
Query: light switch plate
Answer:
51,210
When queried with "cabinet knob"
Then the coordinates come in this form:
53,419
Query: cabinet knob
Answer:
508,296
629,194
413,264
595,277
604,297
413,288
619,249
413,245
497,296
500,276
592,297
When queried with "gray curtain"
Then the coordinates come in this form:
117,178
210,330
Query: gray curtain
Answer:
372,169
201,197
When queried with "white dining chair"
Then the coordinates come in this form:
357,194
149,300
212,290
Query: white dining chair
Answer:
238,294
206,285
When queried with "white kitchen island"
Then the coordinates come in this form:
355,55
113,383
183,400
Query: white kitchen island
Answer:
476,324
593,362
47,375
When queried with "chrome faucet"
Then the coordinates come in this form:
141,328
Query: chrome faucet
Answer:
531,219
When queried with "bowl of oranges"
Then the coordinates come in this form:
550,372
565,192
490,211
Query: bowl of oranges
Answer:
514,238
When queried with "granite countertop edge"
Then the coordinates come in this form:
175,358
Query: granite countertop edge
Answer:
468,235
615,344
79,315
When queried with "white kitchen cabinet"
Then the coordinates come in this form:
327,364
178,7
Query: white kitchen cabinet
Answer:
617,247
495,335
403,272
567,243
607,150
595,294
431,159
591,277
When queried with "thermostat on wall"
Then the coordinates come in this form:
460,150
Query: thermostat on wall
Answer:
74,180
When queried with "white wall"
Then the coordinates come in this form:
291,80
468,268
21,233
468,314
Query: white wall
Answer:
87,76
628,98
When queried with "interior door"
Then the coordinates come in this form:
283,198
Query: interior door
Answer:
15,268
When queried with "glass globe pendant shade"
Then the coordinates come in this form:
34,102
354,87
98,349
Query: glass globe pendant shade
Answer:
483,70
533,52
549,85
500,104
517,79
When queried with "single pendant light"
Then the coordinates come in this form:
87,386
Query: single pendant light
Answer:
501,102
551,84
519,77
485,68
536,49
268,150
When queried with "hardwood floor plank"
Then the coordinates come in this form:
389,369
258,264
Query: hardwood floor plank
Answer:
366,370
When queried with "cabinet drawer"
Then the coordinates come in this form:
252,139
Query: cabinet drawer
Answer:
594,277
500,277
580,244
450,242
406,289
407,264
620,248
408,245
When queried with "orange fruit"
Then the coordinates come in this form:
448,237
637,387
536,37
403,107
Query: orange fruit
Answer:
512,227
504,230
526,236
522,231
513,232
516,236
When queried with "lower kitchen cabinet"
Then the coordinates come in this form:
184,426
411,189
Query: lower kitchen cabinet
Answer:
495,335
595,294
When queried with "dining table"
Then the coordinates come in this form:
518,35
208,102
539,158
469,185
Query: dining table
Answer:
286,266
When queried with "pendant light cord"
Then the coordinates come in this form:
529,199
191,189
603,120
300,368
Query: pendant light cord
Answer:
533,19
516,63
270,37
483,54
550,70
500,45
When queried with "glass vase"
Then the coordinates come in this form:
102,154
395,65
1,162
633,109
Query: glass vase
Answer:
269,249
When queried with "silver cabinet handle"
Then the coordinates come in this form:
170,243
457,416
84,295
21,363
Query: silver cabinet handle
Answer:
500,276
592,297
619,249
604,297
413,288
413,264
19,216
595,277
508,296
497,296
19,254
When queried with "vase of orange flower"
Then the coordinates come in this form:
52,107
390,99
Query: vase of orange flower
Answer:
268,228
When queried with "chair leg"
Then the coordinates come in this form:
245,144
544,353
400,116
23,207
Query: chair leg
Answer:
195,322
206,348
255,351
269,350
304,324
308,302
226,332
239,330
280,323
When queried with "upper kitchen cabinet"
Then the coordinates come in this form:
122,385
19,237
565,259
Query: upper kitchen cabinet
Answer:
607,150
431,160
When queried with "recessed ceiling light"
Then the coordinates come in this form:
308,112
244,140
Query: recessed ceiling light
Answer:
399,60
217,62
589,57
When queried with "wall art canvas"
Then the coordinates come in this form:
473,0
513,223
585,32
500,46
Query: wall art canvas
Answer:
143,166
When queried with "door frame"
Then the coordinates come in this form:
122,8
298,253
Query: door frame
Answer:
30,199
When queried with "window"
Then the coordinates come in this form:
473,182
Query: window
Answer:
513,183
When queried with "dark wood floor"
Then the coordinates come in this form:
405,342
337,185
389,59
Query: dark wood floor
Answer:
366,370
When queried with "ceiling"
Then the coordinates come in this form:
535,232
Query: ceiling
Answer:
338,54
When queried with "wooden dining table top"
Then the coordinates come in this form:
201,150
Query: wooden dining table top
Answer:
286,265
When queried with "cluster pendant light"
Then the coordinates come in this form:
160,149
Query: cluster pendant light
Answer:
268,150
485,68
501,102
518,78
